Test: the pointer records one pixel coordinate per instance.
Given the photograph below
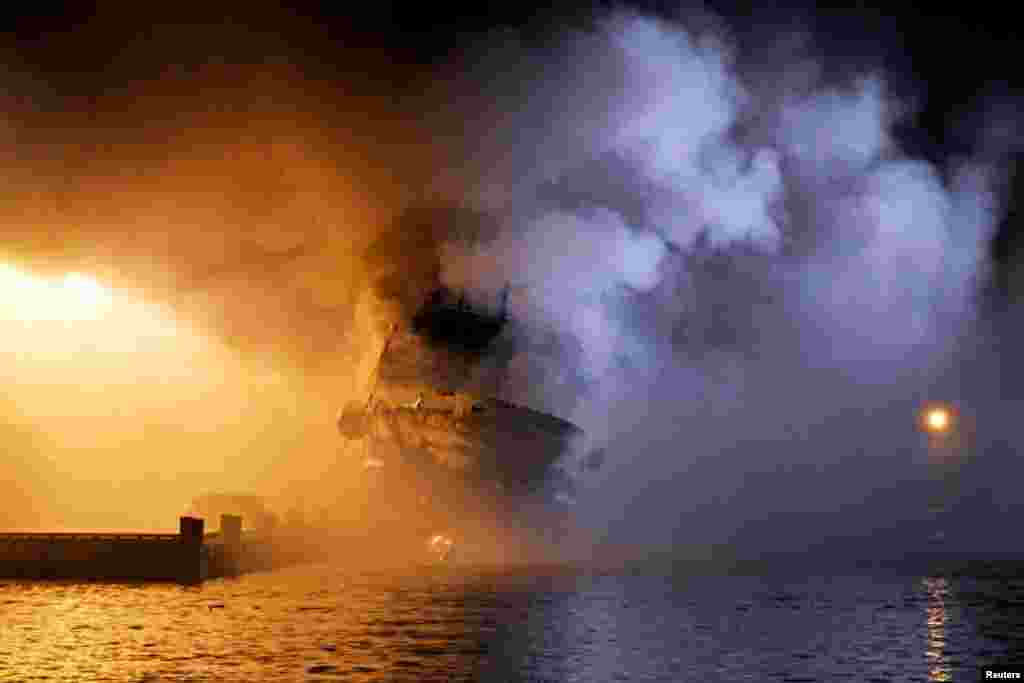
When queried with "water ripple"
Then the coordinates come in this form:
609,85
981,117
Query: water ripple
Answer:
323,623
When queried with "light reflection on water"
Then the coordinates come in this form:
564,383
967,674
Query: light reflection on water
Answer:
938,666
323,623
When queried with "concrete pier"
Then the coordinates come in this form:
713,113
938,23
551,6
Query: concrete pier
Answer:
189,556
148,557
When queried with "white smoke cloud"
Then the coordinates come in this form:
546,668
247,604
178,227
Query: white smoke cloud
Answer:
848,129
679,96
740,254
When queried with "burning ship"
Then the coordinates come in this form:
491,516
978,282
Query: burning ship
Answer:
483,472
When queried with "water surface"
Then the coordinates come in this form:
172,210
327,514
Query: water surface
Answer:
326,623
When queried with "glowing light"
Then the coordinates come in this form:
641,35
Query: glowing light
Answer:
938,420
939,668
14,282
86,290
29,297
50,317
441,546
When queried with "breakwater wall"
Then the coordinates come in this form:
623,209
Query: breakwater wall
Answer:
183,557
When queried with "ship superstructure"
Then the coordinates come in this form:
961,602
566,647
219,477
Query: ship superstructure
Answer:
434,422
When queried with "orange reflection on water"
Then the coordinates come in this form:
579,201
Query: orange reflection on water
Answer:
938,664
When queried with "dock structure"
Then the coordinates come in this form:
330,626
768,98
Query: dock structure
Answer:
107,556
189,556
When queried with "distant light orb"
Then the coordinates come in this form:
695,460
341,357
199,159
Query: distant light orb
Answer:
938,420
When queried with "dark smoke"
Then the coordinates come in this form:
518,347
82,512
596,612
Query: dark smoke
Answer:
405,261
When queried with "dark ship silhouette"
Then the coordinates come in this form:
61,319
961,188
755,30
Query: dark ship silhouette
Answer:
479,468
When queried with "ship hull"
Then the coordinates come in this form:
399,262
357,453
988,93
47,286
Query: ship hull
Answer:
444,455
493,442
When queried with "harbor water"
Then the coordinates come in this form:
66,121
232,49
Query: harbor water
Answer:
325,622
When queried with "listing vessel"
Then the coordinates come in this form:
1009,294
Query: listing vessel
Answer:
454,469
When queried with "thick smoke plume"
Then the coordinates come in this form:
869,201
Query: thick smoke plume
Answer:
231,194
757,285
728,271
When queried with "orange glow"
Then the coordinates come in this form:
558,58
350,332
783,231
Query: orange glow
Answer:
172,297
33,307
937,420
29,297
441,546
938,662
117,412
